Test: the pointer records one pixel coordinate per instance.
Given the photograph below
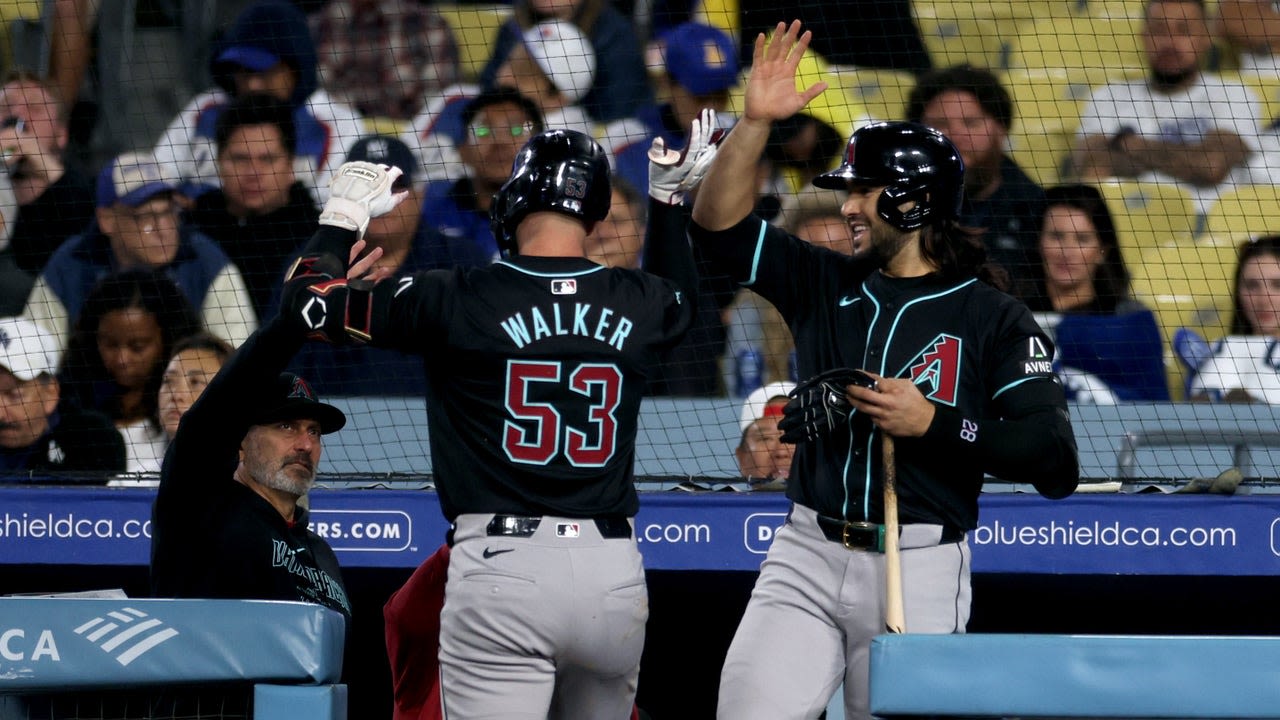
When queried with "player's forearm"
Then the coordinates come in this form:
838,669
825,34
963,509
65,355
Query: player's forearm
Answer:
728,192
666,247
1038,447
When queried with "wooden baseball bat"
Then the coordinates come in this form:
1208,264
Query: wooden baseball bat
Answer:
895,615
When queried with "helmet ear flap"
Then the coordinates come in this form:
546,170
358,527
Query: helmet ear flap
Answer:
561,171
889,207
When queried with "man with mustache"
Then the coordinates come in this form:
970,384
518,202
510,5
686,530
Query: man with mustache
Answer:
226,521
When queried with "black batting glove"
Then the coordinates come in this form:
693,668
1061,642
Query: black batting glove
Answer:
819,405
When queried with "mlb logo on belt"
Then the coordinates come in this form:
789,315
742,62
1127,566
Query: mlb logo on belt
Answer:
568,530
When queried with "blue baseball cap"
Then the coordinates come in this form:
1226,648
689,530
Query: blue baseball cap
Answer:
249,57
131,179
701,58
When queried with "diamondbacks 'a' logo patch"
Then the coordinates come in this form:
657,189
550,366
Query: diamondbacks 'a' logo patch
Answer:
936,370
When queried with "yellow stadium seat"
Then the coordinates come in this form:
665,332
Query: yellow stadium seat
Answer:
1049,95
1248,210
720,13
1149,214
475,27
1098,43
1187,285
953,40
881,93
1040,150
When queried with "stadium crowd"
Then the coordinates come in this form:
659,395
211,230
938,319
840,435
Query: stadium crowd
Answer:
143,262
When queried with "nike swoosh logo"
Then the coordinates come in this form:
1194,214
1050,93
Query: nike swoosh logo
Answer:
490,553
846,301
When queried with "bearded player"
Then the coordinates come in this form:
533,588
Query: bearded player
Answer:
961,378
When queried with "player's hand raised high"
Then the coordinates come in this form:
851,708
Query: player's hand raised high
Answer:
359,191
672,173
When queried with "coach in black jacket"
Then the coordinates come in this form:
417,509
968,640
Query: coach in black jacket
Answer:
226,522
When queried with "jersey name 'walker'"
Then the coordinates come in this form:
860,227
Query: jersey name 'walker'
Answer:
566,372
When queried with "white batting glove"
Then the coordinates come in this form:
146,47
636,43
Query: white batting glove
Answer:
672,173
359,191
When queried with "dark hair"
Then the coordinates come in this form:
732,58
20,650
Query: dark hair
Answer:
256,109
498,96
200,340
980,82
585,14
85,378
1261,245
1111,278
958,252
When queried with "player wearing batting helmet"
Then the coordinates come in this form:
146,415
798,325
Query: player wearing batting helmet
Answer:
535,370
956,372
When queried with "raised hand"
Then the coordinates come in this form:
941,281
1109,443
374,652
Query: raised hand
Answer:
771,86
359,191
672,173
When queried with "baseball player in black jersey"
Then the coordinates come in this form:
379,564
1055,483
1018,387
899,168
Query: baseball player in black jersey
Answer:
962,380
227,523
535,370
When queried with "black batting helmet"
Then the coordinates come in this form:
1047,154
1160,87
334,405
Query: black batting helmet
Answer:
560,171
913,162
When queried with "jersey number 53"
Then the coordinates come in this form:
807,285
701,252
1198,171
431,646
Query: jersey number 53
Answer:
597,386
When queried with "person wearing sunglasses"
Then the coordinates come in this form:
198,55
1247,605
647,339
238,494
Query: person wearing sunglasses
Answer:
497,123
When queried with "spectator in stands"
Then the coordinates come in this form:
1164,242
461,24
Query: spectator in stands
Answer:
39,432
267,49
1242,367
618,239
261,214
54,194
195,360
618,88
138,226
1108,344
496,124
116,358
226,521
701,66
975,112
551,67
15,283
762,456
1251,27
1177,125
384,57
408,246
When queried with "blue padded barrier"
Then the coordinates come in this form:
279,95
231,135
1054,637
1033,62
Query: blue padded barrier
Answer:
50,644
1076,676
289,702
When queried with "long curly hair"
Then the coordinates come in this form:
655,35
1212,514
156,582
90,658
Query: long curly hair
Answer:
85,379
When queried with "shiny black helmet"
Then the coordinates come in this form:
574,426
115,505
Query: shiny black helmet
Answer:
560,171
913,162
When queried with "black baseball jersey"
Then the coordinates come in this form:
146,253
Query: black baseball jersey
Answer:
972,350
535,371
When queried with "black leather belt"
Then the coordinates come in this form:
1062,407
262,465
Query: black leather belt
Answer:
857,535
611,528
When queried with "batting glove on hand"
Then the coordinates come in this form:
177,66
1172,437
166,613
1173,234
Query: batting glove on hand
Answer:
672,173
359,191
819,405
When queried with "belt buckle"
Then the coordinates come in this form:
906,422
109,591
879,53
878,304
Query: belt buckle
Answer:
859,525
